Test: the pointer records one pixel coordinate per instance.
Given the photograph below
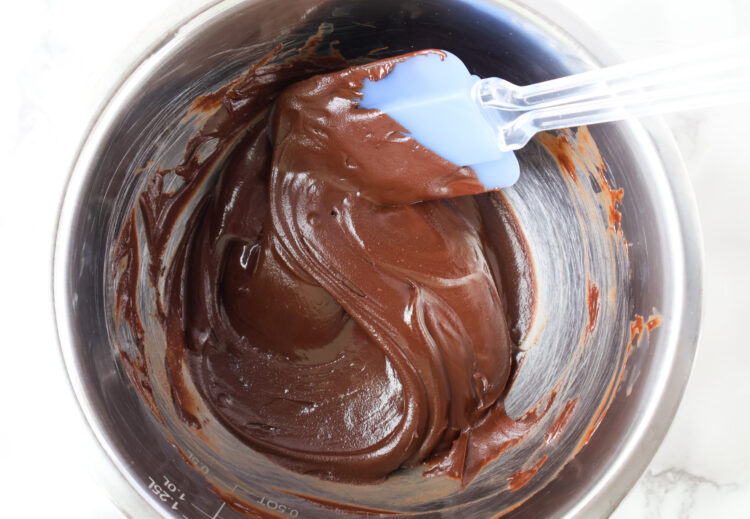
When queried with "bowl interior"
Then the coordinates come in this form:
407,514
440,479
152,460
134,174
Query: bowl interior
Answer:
594,373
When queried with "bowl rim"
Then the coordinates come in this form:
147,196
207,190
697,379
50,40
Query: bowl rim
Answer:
624,468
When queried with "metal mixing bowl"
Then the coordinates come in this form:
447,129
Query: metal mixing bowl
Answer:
658,273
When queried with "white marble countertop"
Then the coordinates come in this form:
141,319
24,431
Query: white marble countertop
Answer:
60,57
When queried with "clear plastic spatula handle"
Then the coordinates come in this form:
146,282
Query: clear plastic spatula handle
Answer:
712,75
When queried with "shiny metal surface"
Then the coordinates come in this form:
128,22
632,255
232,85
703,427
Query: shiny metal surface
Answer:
523,42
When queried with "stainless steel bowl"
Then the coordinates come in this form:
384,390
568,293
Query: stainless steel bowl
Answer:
660,271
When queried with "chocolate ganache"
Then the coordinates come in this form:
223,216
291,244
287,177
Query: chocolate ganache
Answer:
345,299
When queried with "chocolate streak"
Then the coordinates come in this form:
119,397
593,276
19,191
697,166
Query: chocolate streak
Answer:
338,296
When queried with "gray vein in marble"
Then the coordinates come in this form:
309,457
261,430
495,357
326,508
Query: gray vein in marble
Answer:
674,490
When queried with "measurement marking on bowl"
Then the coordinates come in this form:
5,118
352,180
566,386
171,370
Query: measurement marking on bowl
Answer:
216,514
198,463
166,491
280,507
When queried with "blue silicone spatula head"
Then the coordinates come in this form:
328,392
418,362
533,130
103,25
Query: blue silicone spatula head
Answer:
430,95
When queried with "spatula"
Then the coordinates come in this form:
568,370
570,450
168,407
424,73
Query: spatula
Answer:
479,122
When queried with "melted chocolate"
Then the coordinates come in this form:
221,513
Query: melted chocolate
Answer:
338,296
